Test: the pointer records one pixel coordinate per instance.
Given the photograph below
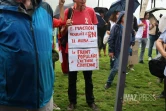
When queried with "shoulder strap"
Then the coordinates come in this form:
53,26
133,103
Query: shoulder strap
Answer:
70,12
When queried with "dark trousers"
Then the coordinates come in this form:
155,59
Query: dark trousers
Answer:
101,45
72,90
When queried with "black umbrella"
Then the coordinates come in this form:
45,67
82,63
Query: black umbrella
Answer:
56,13
103,10
99,9
119,5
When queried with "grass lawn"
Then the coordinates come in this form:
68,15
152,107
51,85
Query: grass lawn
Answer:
139,83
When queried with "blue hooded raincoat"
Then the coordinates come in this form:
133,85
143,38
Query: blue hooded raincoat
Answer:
26,71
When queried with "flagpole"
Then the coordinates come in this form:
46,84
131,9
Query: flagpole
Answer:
98,3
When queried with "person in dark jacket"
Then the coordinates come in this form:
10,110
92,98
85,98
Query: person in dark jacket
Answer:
101,27
115,41
26,69
111,23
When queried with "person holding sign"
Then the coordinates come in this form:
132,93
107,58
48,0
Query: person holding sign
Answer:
81,15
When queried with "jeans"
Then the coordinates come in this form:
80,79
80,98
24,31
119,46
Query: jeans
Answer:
72,91
152,39
143,42
113,71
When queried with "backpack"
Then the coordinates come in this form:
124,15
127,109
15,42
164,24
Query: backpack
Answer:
55,55
157,66
64,39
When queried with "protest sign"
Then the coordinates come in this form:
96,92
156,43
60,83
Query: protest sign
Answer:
83,48
82,36
83,59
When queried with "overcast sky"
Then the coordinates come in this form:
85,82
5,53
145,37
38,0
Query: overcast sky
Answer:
107,3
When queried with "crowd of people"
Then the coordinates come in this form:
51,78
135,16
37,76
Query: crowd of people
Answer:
143,29
26,65
110,33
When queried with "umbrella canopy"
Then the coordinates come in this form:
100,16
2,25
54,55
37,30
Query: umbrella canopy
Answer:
155,9
151,16
56,13
153,19
119,5
99,9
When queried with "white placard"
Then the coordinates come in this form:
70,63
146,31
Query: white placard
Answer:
82,36
83,59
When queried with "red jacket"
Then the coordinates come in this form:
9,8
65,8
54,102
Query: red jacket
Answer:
57,23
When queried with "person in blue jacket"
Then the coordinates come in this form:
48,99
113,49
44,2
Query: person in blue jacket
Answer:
114,42
26,70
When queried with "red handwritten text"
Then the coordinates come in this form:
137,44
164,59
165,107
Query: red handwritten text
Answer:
84,28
